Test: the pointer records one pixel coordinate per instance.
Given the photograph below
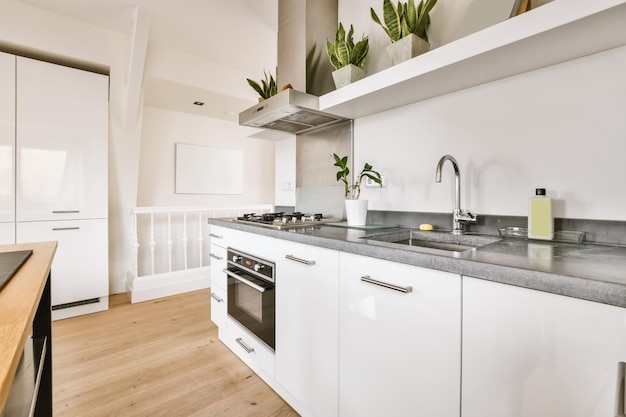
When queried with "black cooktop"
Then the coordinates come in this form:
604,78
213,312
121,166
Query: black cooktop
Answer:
10,263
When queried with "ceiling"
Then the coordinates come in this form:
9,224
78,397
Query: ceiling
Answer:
218,31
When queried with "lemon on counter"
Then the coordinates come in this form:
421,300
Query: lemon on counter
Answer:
426,227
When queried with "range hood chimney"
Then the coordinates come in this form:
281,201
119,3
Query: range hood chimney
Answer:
303,27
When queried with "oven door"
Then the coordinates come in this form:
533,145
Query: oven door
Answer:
251,302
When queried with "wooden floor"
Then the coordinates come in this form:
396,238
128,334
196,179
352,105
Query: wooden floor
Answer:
156,358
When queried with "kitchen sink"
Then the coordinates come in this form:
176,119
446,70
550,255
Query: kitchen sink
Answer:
432,240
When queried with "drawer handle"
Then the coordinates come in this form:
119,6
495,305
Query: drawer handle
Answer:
65,211
243,345
216,236
302,261
214,256
65,228
368,279
621,390
217,298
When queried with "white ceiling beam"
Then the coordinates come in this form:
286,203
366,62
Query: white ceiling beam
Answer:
136,65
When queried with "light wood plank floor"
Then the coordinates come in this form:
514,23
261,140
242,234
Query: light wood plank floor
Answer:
156,358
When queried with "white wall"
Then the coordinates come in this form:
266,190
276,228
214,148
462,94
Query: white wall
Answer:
162,129
560,127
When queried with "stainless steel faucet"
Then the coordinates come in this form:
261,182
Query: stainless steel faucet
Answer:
459,217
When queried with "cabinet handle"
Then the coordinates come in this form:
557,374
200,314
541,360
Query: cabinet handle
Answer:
621,390
216,298
243,345
302,261
55,229
216,236
65,211
214,256
368,279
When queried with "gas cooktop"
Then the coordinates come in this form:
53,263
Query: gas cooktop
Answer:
284,221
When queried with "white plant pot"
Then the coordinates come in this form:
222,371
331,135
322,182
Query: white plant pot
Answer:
347,75
406,48
356,212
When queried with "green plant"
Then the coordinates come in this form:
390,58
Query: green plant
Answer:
344,51
405,18
267,88
353,192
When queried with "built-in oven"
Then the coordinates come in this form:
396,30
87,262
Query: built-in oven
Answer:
251,295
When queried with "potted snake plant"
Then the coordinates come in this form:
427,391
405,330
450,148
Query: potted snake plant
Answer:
347,57
406,25
356,210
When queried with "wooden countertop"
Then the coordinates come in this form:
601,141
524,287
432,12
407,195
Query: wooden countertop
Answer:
18,303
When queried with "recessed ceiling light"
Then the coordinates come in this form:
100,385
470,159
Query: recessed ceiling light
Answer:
198,103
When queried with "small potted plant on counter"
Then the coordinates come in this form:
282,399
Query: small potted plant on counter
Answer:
406,25
356,210
346,57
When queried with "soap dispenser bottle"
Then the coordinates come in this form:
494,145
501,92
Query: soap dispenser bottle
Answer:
540,221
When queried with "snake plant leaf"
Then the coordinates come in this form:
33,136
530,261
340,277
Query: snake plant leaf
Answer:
330,50
360,52
349,41
341,52
392,19
424,18
255,86
377,20
411,15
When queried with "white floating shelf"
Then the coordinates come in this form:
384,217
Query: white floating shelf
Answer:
556,32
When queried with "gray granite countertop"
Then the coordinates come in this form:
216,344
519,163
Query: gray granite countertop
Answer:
587,271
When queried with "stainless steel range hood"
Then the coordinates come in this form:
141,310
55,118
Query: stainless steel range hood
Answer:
289,111
303,27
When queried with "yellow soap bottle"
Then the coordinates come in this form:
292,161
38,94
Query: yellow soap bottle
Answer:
540,221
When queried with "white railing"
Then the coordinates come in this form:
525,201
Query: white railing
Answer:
165,242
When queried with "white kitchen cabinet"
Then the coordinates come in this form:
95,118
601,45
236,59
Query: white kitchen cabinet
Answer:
307,326
400,340
528,353
218,284
62,142
7,148
81,264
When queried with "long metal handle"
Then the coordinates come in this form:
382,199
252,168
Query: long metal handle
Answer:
216,236
368,279
65,228
244,281
621,390
65,211
214,256
302,261
216,298
244,346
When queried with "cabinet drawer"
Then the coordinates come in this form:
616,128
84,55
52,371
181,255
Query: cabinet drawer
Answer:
218,263
80,270
218,306
248,348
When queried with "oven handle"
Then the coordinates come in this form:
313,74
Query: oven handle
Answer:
244,281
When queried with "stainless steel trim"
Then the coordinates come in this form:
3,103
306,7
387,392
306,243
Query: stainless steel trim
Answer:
216,236
302,261
621,390
65,211
244,281
216,298
368,279
65,228
245,347
214,256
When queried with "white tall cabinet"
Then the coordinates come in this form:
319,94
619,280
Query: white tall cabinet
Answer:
528,353
58,149
7,148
